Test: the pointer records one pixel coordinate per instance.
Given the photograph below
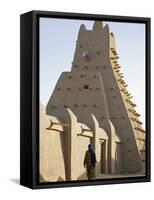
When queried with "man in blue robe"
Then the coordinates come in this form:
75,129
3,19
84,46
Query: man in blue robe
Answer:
90,162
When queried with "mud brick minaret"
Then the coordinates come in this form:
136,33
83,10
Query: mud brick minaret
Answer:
95,90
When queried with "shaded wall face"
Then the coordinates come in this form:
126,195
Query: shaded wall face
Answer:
81,92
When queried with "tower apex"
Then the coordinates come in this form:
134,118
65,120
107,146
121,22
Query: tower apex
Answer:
98,25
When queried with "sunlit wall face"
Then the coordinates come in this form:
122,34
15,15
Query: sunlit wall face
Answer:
57,45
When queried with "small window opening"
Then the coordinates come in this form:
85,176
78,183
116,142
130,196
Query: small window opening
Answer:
86,87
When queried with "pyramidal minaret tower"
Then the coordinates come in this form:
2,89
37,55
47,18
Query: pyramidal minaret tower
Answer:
95,85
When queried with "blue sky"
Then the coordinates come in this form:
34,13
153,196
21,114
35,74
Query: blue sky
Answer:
57,45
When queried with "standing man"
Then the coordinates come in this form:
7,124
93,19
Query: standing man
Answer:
90,162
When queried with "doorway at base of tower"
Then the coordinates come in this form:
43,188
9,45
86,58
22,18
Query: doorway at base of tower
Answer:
103,157
118,158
